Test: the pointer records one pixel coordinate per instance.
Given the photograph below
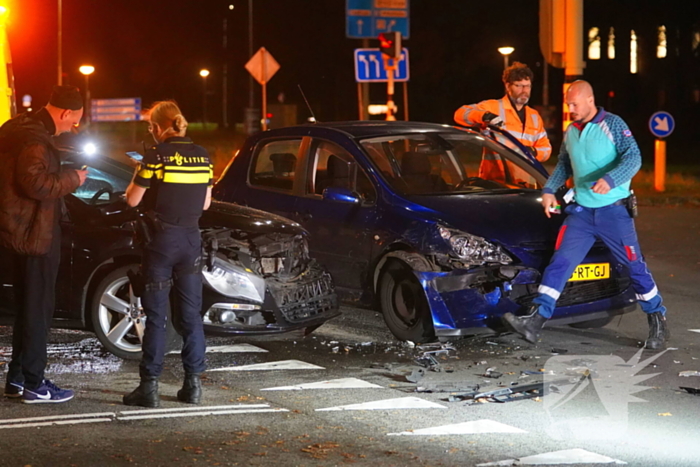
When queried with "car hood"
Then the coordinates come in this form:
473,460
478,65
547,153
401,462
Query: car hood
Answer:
511,219
234,216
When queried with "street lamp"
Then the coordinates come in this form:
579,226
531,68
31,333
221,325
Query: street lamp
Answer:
204,73
87,70
505,51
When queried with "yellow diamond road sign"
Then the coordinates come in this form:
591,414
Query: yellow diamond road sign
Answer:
262,66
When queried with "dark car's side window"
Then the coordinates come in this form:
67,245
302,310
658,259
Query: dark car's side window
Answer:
332,166
275,164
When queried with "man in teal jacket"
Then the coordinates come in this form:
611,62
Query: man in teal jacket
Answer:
601,154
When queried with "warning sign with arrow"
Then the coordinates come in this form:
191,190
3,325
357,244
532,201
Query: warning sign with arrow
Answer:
661,124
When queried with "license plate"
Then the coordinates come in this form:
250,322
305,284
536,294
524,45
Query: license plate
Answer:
591,272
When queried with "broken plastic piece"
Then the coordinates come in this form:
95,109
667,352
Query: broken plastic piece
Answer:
689,373
416,375
695,391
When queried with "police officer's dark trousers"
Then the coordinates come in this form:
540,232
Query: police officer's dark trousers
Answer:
35,301
173,253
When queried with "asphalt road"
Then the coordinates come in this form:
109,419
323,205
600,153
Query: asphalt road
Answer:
609,402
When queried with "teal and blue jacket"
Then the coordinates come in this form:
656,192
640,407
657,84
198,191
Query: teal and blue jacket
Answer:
602,148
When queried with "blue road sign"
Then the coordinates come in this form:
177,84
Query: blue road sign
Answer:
661,124
369,66
369,18
115,110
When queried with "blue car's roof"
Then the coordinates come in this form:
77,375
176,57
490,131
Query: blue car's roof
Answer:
364,129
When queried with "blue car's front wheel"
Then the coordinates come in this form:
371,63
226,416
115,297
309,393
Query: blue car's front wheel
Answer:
403,303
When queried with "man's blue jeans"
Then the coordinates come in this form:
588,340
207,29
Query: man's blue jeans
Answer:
612,225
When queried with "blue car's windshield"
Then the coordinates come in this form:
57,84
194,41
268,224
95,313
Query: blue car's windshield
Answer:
449,162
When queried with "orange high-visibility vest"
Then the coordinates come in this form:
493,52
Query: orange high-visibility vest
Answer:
531,134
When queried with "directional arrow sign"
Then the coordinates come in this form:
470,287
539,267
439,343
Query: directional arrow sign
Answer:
369,66
661,124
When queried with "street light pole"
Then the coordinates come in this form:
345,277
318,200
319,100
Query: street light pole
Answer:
87,70
60,40
225,73
506,51
204,73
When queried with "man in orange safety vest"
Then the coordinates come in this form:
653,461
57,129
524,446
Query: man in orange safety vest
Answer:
512,113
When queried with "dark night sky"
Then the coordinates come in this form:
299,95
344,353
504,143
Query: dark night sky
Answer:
154,49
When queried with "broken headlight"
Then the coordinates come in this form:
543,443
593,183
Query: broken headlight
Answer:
472,249
235,282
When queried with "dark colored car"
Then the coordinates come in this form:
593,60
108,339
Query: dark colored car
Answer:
258,279
440,227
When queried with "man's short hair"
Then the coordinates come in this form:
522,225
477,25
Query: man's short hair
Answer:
66,97
517,72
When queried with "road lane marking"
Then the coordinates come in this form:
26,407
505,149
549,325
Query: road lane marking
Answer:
388,404
567,456
281,365
342,383
142,414
466,428
235,348
199,414
694,330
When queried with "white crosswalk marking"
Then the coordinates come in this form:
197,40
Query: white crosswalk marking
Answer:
281,365
466,428
389,404
568,456
342,383
694,330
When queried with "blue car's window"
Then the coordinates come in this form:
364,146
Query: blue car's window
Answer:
332,166
432,163
275,164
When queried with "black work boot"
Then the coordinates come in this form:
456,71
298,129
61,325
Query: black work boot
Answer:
146,395
658,331
191,391
529,325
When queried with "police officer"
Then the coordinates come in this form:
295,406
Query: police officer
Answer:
601,154
176,179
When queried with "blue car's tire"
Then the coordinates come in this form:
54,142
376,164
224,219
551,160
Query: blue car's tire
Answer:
403,303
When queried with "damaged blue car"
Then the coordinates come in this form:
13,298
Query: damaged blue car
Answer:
441,228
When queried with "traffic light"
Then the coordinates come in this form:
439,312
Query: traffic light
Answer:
390,44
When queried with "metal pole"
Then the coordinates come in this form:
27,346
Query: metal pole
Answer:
264,88
405,100
250,52
204,102
225,79
573,56
389,66
660,165
60,40
365,90
360,104
545,84
88,107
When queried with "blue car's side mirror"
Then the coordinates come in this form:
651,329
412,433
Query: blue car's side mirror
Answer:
341,195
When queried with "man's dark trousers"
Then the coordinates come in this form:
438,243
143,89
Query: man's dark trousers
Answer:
35,300
173,252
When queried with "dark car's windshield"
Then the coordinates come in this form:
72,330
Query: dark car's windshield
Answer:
105,176
449,162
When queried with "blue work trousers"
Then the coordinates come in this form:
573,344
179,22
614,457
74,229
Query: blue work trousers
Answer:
172,254
612,225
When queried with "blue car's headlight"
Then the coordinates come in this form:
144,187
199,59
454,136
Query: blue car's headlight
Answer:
472,249
235,282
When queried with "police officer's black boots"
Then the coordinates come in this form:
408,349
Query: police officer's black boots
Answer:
191,391
529,325
658,331
146,395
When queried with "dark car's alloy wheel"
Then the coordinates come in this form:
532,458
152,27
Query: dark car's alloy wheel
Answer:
403,303
118,318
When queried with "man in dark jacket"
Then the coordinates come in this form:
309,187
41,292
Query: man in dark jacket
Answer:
32,185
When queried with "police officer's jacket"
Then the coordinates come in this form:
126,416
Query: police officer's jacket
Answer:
177,174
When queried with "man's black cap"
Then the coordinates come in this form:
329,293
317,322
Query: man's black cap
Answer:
66,97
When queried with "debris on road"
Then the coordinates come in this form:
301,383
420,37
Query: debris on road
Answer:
695,391
507,394
689,373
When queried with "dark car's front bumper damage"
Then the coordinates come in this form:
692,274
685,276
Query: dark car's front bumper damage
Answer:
466,302
299,293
